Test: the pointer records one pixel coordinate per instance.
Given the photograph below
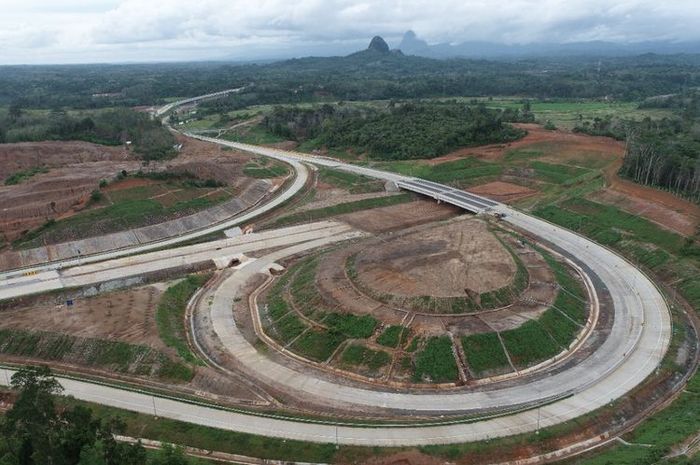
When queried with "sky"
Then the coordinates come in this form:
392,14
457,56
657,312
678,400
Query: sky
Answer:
89,31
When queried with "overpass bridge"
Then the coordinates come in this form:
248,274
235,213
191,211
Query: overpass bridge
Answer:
443,193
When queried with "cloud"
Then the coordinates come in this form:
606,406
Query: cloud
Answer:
113,30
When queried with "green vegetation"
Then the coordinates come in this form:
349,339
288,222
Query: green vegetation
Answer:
459,173
353,183
663,430
170,315
19,177
151,141
662,152
353,326
436,362
106,355
356,354
130,208
40,429
399,131
289,327
341,209
318,345
484,353
394,336
529,344
252,135
664,252
202,437
571,298
265,168
185,178
558,174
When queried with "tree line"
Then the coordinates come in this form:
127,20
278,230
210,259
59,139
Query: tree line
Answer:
355,77
150,139
400,130
662,153
39,431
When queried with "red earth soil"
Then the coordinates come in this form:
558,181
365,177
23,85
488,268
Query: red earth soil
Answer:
662,208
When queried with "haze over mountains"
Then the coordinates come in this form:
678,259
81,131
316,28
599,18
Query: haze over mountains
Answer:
411,44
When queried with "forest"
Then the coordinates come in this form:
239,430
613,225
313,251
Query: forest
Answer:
662,153
401,130
37,430
361,76
150,139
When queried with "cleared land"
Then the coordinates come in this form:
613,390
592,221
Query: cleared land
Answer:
444,261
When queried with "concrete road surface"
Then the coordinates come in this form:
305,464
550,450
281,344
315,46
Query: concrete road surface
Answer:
634,348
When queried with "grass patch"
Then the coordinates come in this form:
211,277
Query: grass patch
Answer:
359,355
188,434
529,344
394,336
19,177
457,173
318,345
122,215
341,209
558,174
436,362
289,327
664,429
265,169
353,326
351,182
170,315
254,134
666,253
108,355
484,353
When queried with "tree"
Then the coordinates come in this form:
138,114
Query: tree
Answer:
35,432
31,422
14,112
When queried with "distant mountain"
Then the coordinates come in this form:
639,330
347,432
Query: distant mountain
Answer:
377,49
378,45
412,45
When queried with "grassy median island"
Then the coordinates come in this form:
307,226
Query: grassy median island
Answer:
265,168
170,315
436,362
484,353
351,182
340,209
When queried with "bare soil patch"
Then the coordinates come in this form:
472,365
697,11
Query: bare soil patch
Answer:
683,221
443,261
127,316
128,183
571,143
604,153
398,217
75,169
503,191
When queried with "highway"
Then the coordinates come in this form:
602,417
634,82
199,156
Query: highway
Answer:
220,252
300,179
635,346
